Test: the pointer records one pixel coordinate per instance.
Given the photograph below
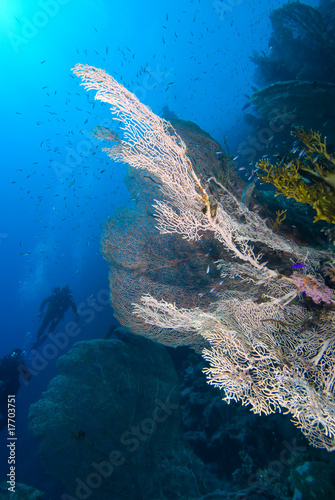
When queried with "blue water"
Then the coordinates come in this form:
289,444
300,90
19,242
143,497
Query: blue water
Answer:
55,199
57,187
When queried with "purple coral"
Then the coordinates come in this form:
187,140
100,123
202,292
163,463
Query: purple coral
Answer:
310,286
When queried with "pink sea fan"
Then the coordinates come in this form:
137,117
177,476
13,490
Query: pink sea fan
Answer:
310,286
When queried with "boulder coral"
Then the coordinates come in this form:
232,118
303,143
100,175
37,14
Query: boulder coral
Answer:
109,423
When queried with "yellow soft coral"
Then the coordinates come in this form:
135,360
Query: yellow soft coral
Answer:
313,162
319,163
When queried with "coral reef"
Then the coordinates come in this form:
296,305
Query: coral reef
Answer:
312,480
140,259
312,161
109,424
311,287
297,75
266,348
301,44
258,455
22,492
309,103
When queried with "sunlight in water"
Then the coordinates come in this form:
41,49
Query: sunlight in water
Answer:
10,13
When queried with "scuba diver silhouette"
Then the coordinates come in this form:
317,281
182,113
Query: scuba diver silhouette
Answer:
12,367
58,303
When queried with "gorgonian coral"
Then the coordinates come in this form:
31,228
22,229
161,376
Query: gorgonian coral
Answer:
264,350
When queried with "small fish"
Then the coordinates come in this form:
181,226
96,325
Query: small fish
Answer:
298,266
168,85
208,269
